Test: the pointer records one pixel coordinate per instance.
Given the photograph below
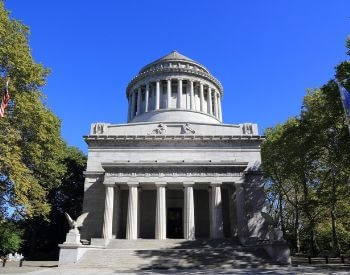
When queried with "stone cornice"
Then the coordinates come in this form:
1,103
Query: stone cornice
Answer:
172,138
155,163
168,141
93,173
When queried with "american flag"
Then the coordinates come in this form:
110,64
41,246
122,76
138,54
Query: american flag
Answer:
5,99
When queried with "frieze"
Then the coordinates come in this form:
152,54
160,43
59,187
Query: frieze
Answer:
170,174
173,172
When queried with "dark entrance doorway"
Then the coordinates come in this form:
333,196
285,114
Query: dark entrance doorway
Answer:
174,223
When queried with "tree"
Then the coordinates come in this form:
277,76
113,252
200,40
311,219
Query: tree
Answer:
307,162
31,147
42,236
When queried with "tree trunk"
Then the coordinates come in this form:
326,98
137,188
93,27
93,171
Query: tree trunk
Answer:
312,241
335,240
336,245
296,230
281,215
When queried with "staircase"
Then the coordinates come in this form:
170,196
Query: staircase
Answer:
172,254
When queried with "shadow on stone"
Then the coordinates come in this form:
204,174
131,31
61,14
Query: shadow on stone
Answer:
202,254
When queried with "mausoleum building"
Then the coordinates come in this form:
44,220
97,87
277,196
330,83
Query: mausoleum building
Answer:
174,170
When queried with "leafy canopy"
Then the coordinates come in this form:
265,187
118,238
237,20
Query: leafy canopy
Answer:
31,147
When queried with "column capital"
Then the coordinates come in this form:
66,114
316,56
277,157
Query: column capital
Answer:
132,184
109,182
215,184
188,183
160,184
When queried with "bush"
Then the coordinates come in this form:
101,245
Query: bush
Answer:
10,238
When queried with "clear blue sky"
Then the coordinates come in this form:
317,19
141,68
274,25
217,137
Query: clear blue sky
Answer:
265,53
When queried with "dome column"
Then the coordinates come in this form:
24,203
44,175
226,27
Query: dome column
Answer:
216,114
179,93
129,107
168,93
192,95
138,101
133,103
210,109
157,95
219,105
146,97
201,96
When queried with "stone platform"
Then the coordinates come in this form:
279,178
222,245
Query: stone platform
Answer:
173,254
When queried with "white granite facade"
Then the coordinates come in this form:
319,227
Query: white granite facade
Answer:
174,170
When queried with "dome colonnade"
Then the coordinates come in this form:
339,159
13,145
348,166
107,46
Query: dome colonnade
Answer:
174,83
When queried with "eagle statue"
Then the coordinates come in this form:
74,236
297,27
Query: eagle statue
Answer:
74,224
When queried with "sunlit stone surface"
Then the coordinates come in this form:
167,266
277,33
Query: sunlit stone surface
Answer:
178,171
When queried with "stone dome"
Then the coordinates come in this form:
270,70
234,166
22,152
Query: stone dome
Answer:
174,88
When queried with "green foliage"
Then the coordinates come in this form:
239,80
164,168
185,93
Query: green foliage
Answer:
307,161
31,147
42,236
40,177
10,238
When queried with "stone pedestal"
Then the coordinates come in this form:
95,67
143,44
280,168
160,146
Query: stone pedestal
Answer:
72,237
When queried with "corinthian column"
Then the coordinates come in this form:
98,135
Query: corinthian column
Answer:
219,104
157,95
210,109
201,95
138,101
129,107
108,214
161,211
217,225
179,93
216,104
168,93
192,95
131,224
189,229
146,97
133,103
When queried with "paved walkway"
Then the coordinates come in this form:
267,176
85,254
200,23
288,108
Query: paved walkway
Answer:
50,268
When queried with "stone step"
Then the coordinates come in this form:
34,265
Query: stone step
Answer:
128,259
170,243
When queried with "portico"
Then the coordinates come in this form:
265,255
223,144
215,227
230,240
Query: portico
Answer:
159,193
